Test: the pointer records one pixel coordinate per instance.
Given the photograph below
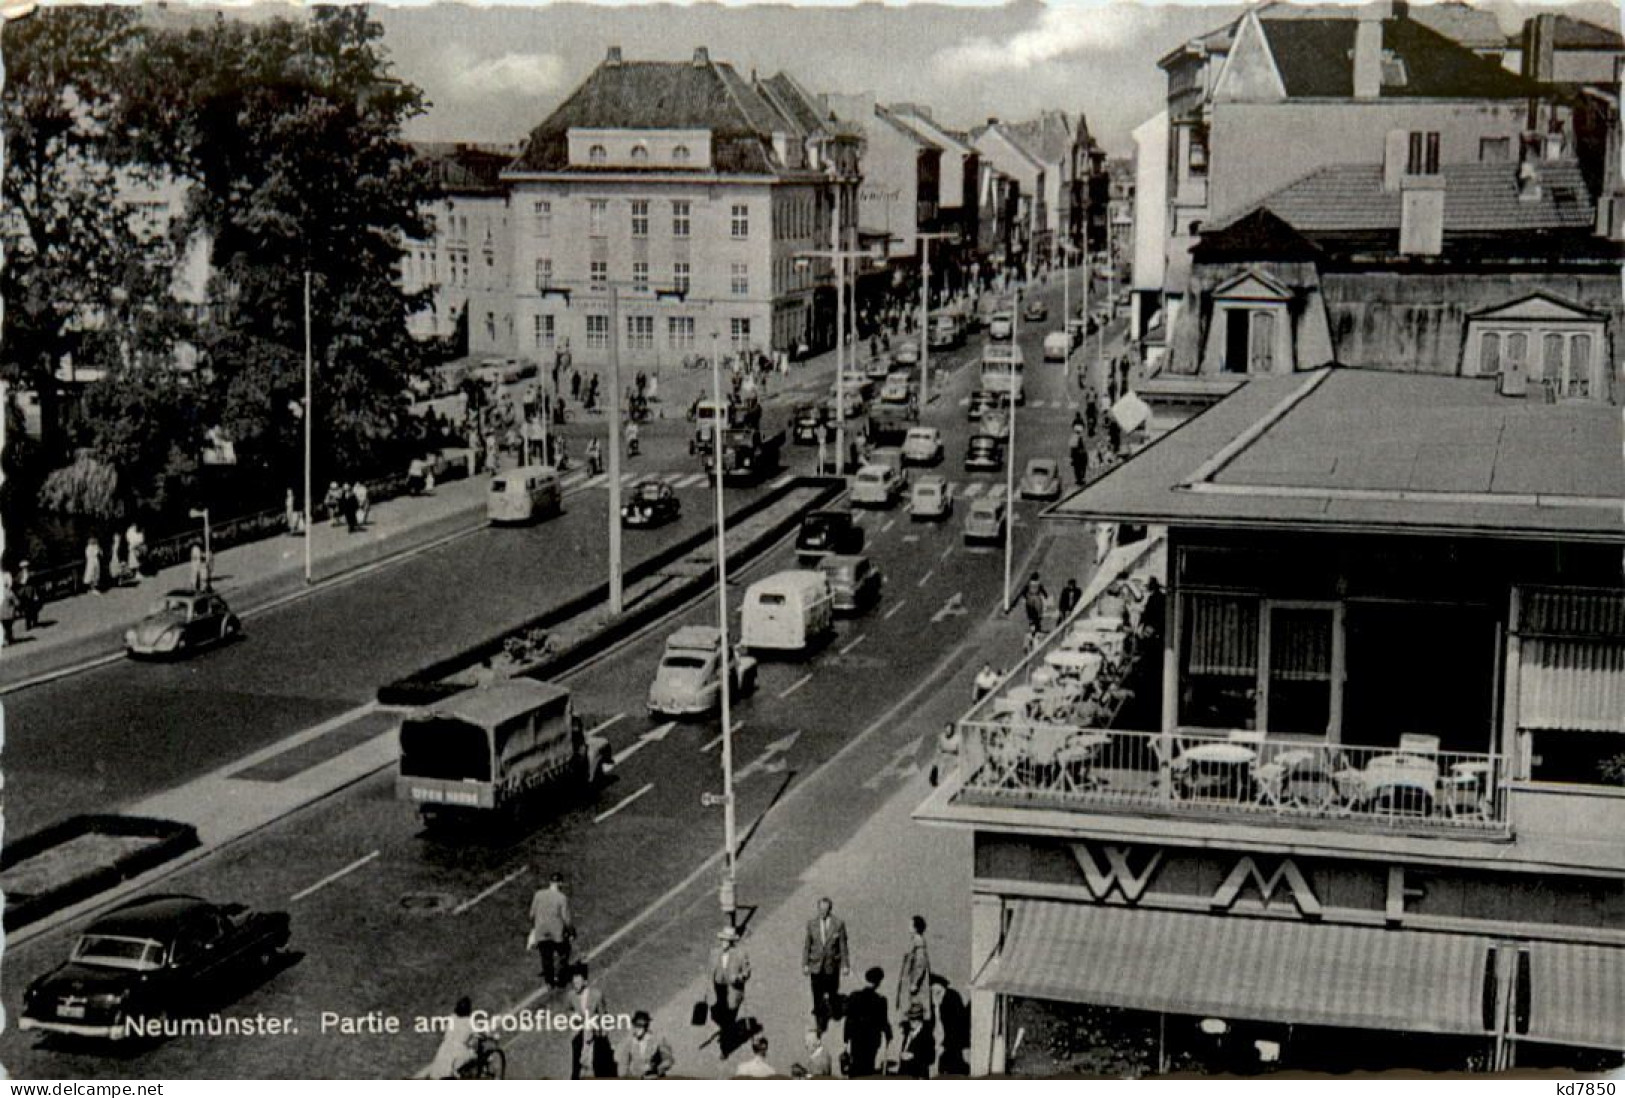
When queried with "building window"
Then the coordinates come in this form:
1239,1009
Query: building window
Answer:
741,221
640,333
545,333
597,213
1196,158
1423,156
739,333
544,274
597,154
680,212
1252,663
640,275
679,277
598,273
739,278
543,212
640,153
1494,150
598,332
640,217
680,332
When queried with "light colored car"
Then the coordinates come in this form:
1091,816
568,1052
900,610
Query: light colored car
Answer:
898,388
984,454
931,498
1001,327
854,582
907,353
922,446
876,486
1041,479
1057,345
183,622
996,423
688,681
852,401
986,519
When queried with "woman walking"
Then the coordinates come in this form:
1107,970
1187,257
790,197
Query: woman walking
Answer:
914,975
93,565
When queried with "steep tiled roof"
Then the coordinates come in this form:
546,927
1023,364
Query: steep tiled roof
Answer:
793,102
1575,34
1478,198
1316,60
1473,27
655,95
465,169
1260,235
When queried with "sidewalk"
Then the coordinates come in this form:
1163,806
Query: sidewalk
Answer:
249,576
868,856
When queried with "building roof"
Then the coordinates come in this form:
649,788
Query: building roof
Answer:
1047,138
1376,451
1254,236
901,125
794,102
1474,27
1478,198
1316,61
465,169
666,95
1569,33
949,141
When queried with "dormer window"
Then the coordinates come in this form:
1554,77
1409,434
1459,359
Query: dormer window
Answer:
679,155
597,154
640,154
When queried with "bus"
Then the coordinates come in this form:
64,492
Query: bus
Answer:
1002,366
481,752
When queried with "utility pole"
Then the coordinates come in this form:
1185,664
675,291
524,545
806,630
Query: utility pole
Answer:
728,894
1010,454
310,411
615,596
925,311
839,256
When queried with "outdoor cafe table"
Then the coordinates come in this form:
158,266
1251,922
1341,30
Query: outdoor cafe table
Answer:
1399,772
1071,661
1221,770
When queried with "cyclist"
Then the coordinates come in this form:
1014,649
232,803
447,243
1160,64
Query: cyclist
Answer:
458,1049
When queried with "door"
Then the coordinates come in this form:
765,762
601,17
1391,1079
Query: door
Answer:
1301,668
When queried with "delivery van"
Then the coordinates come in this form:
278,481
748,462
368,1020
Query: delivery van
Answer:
1057,345
787,612
523,494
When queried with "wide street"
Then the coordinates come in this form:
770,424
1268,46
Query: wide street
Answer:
391,919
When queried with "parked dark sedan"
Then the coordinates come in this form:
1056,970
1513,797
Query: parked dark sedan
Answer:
184,621
826,532
150,959
983,399
653,502
984,453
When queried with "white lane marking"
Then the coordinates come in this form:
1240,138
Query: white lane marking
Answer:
925,579
894,610
692,480
797,685
890,523
601,725
595,481
946,553
974,489
860,639
331,877
491,891
608,812
737,726
654,735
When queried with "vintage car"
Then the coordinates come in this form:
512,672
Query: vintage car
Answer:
852,401
900,387
995,422
876,486
1001,326
932,498
1035,310
688,681
150,959
922,446
908,353
985,520
878,367
983,399
854,582
1041,479
826,532
805,421
183,622
984,453
652,503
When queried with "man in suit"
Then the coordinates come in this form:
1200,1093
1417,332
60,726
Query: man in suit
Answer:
868,1027
643,1055
825,959
730,972
551,929
591,1056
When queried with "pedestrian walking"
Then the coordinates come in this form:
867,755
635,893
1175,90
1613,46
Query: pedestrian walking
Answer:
416,481
551,929
730,972
28,597
953,1022
334,503
135,539
1034,598
117,564
8,606
575,385
985,682
595,457
916,1045
914,974
347,506
946,763
200,568
643,1055
591,1056
363,504
1103,542
757,1066
1070,596
825,958
93,565
868,1026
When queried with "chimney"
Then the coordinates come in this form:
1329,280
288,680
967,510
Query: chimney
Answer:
1421,216
614,56
1368,55
1538,36
992,122
702,57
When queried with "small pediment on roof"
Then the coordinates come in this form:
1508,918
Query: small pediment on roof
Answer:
1250,73
1253,285
1536,306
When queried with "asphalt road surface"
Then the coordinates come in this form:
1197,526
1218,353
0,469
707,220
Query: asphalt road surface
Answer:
420,917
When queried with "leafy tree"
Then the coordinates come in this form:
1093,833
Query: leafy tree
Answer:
291,132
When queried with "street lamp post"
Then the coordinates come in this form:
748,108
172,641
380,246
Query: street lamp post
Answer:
1010,454
839,256
728,894
615,593
925,311
309,414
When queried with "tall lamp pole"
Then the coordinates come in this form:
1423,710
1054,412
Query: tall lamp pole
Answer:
839,256
925,310
309,415
1010,456
729,890
615,595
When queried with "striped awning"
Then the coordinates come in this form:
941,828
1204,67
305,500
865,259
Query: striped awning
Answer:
1573,685
1576,995
1225,966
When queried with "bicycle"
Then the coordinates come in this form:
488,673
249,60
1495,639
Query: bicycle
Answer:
489,1061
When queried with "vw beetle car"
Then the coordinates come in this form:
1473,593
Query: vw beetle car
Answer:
183,622
825,532
688,681
1041,479
653,502
908,353
922,446
1001,327
854,582
932,498
985,521
150,959
981,400
1035,310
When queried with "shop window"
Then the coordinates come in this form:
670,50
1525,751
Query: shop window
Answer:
598,332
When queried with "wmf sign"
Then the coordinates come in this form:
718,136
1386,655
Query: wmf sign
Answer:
1124,874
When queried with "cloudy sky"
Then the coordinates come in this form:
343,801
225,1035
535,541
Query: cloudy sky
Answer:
494,72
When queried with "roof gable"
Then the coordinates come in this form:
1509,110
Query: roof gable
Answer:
1258,235
1253,285
1539,305
1250,70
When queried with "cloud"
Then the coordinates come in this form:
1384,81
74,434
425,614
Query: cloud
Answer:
1060,32
509,74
